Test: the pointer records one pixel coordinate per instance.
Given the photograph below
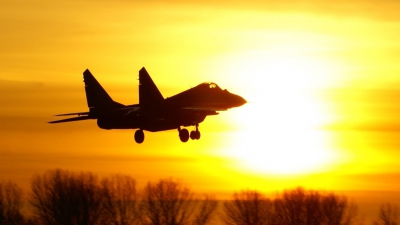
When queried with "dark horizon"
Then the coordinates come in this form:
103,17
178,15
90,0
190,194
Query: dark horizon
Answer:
123,186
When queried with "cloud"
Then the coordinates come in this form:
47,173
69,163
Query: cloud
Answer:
6,85
366,125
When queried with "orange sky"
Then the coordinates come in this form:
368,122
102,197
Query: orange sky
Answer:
321,79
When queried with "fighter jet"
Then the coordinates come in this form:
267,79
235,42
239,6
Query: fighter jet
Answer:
154,112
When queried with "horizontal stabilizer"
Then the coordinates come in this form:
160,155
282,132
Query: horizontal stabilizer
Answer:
74,114
79,118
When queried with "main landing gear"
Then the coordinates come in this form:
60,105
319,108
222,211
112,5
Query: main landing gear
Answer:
195,134
139,136
184,134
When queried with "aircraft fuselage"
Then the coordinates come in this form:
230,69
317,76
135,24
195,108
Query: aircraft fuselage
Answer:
183,109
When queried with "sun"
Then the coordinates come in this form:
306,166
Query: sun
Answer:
278,130
278,146
280,139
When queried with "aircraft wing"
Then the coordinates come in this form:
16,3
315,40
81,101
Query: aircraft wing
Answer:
74,114
79,118
207,110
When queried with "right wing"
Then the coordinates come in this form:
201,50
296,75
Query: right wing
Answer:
205,110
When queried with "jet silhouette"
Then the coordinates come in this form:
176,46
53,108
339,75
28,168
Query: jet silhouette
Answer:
154,112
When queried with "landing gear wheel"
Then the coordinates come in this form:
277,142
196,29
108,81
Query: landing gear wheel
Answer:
198,135
195,135
139,136
184,135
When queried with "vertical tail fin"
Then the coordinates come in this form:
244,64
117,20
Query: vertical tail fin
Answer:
97,98
149,95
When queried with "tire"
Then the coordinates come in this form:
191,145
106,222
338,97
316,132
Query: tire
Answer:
184,135
139,136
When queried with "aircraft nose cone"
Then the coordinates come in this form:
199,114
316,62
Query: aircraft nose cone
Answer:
239,101
242,101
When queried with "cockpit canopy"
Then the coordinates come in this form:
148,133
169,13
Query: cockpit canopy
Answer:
213,85
209,85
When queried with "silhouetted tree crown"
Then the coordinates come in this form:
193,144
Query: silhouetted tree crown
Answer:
248,208
388,215
10,204
169,202
121,203
62,197
292,207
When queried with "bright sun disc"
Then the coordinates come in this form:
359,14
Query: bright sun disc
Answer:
272,144
279,126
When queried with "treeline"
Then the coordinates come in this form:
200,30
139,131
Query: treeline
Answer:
60,197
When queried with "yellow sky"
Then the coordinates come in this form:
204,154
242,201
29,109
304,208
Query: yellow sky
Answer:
321,79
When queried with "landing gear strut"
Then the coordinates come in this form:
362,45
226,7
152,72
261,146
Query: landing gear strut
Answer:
139,136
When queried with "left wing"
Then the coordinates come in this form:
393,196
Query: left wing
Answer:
73,114
80,116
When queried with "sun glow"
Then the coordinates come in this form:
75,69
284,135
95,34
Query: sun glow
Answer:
270,143
279,127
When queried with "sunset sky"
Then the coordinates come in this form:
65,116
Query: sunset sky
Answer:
321,79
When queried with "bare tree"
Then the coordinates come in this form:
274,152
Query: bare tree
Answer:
121,200
248,208
290,208
167,202
301,207
388,215
62,197
205,211
10,204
